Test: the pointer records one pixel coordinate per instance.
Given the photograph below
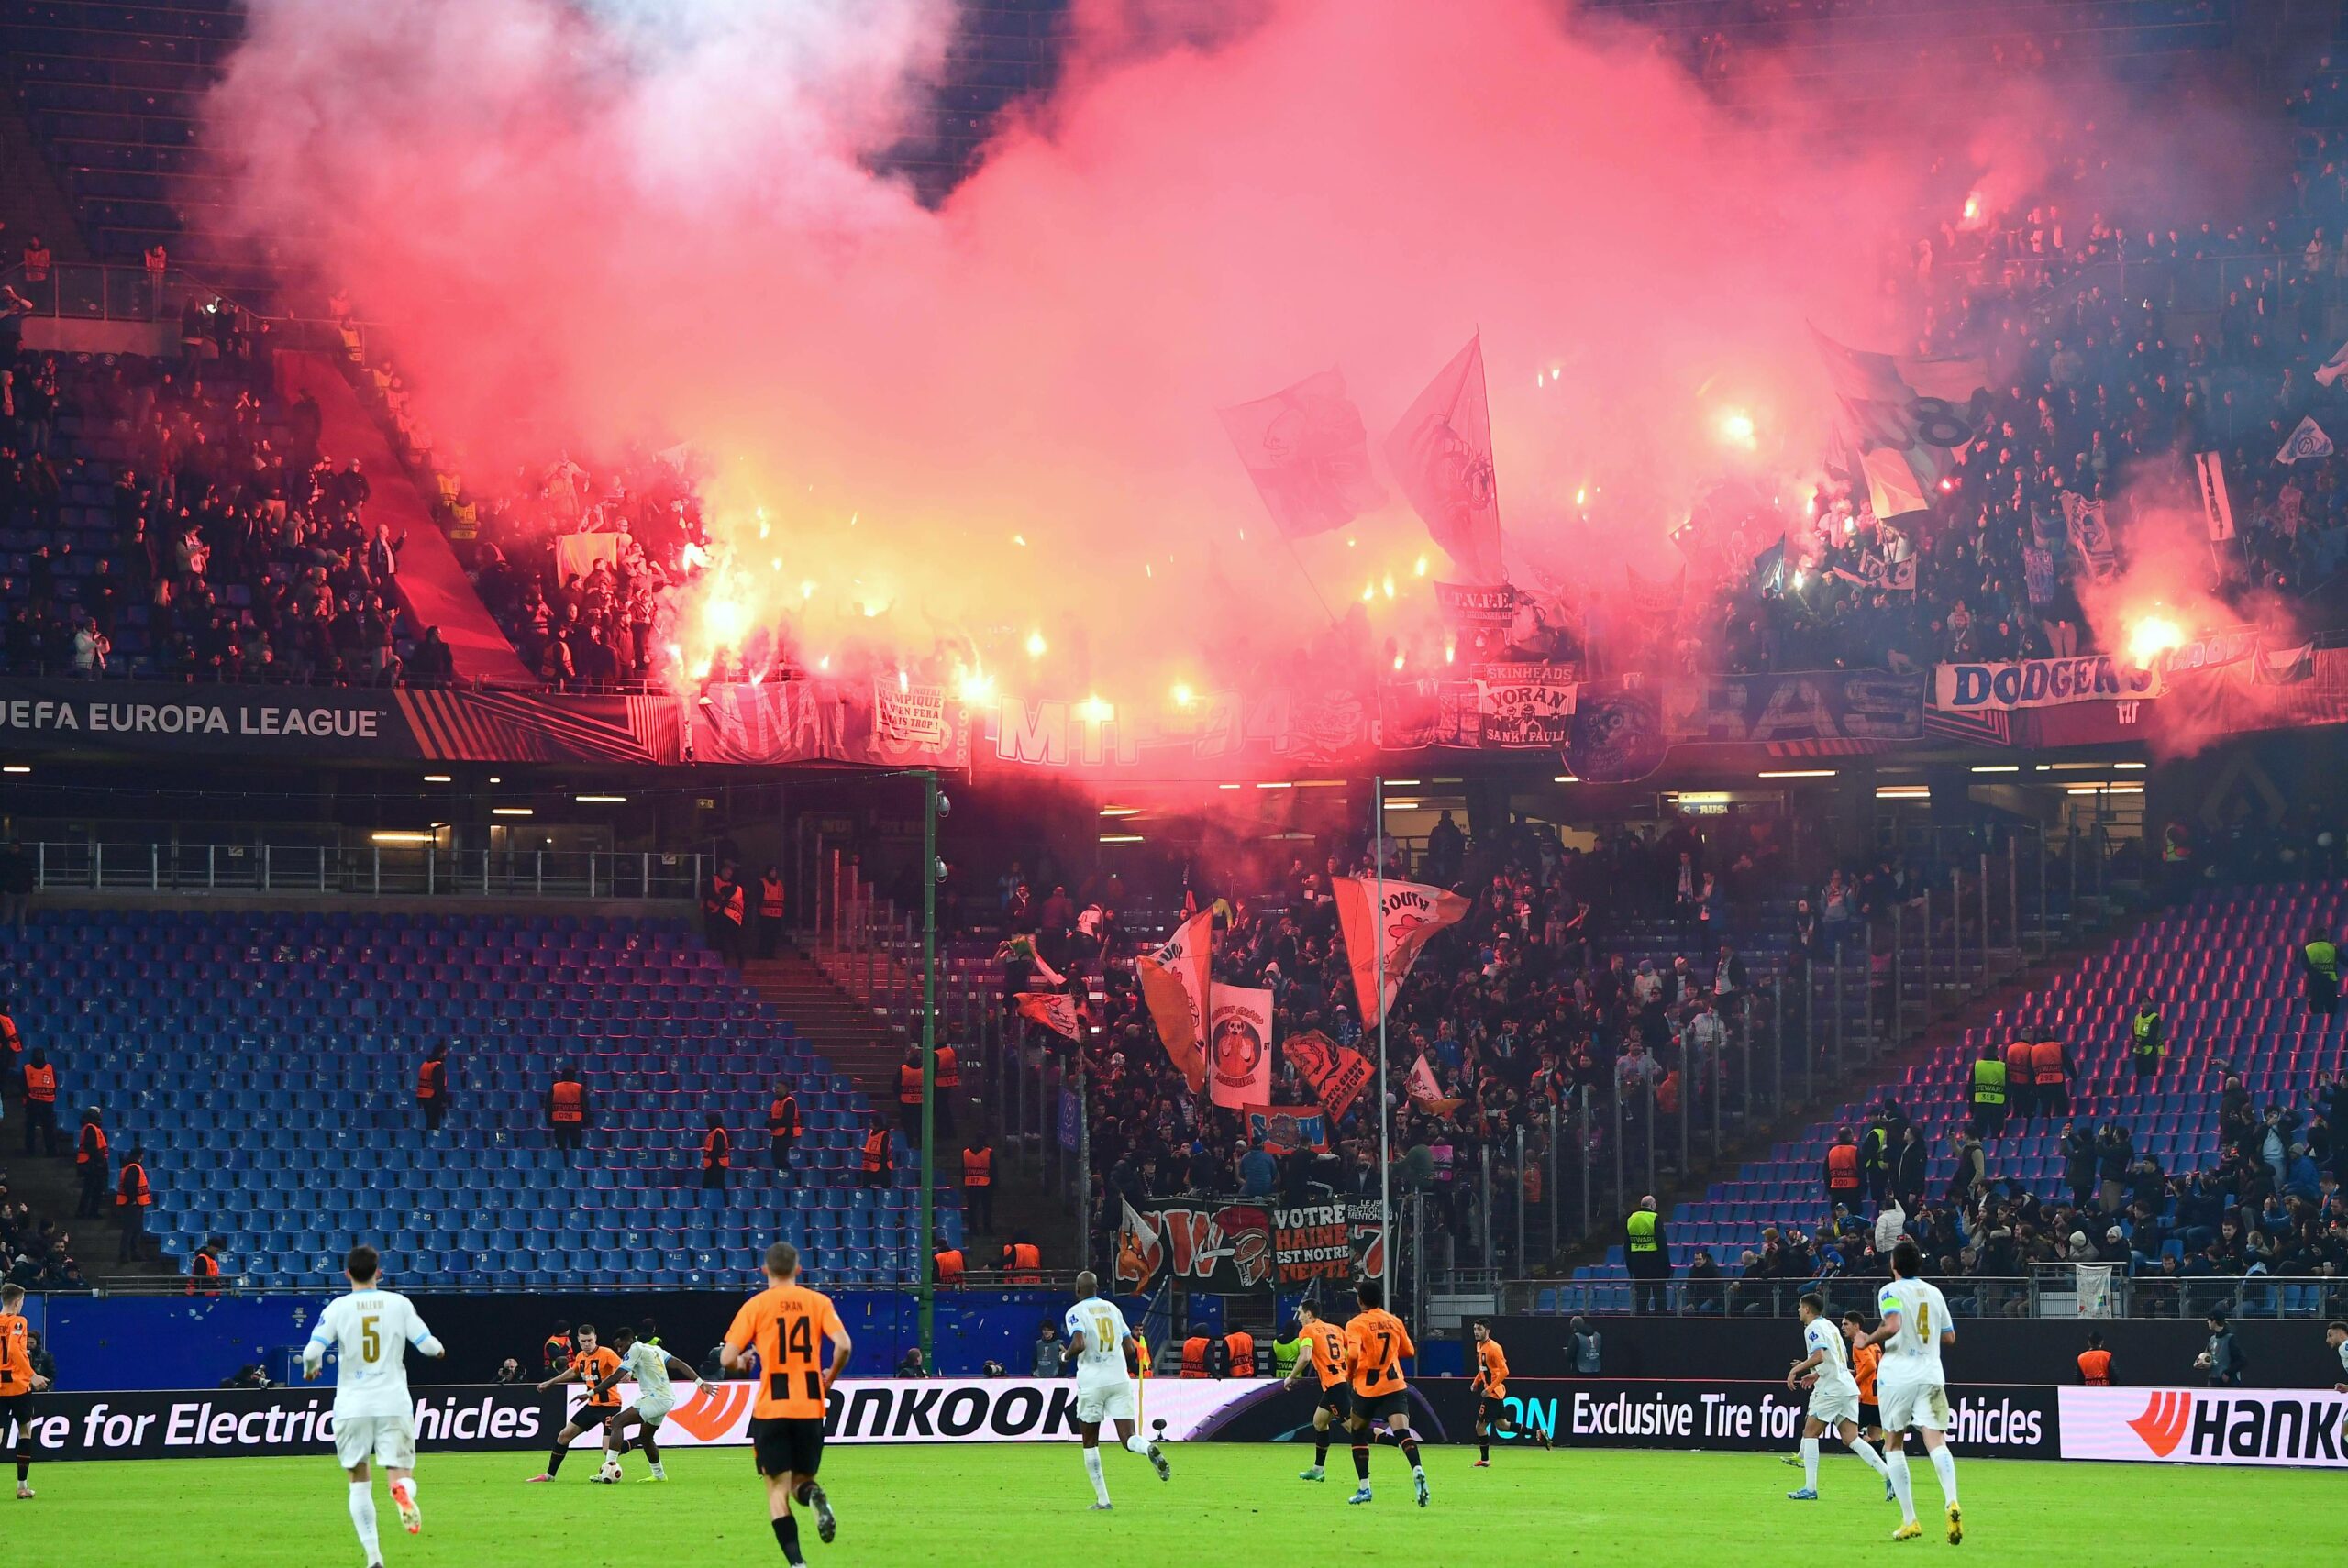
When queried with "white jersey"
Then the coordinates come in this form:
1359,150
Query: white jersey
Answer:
1914,1355
1834,1368
1103,1327
647,1368
369,1330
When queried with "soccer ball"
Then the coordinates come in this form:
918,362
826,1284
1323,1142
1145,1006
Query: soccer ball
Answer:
611,1471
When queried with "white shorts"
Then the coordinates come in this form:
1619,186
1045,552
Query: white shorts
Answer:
1913,1406
389,1441
655,1411
1105,1401
1835,1406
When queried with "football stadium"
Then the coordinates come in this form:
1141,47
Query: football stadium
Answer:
1476,781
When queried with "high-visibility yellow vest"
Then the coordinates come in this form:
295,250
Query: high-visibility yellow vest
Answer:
1990,1081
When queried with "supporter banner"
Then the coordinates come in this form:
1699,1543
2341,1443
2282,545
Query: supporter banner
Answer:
1308,451
1531,709
2041,683
1464,605
1336,1073
1239,1046
246,1423
1441,454
1341,1241
826,721
975,1409
1220,1246
1905,418
1622,731
2207,1426
1285,1129
1392,919
2090,534
311,723
1174,987
2216,507
576,555
1056,1011
2308,440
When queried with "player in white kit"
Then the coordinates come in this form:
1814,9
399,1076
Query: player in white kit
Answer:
648,1367
1834,1395
1097,1342
1910,1386
374,1416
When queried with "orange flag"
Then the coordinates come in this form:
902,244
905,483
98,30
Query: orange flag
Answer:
1410,913
1174,987
1053,1009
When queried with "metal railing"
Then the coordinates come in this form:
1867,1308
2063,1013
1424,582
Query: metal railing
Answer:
2092,1291
372,870
94,290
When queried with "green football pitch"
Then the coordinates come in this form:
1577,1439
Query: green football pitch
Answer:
1026,1505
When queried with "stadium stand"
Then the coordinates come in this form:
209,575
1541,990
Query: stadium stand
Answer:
268,1063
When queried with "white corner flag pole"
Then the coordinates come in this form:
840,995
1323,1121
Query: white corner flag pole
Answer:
1385,1121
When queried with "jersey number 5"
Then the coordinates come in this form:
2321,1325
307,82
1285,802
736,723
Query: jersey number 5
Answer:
370,1343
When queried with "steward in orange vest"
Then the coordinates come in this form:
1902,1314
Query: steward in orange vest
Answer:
1843,1171
132,1199
978,1186
204,1269
2022,1097
1240,1345
94,1164
2050,1075
769,911
1194,1353
949,1265
909,1096
716,1153
876,1156
40,1104
1023,1262
432,1087
783,1126
567,1108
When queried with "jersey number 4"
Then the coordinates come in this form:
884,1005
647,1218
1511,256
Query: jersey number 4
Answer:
1924,1321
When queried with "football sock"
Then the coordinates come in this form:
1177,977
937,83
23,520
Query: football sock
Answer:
1137,1445
1361,1460
1944,1466
1320,1452
1483,1449
362,1519
1093,1469
1809,1463
554,1460
1895,1464
804,1492
1865,1450
786,1535
1410,1446
24,1468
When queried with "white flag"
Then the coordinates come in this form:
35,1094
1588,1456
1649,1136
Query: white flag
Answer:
2217,509
1239,1046
2308,441
2331,370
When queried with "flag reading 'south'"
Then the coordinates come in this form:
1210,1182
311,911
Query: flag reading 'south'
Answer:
1441,454
1308,451
1174,987
1395,920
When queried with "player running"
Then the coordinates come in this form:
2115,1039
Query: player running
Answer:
1490,1383
18,1383
784,1326
1865,1357
1834,1395
1376,1342
593,1365
1323,1352
648,1366
374,1417
1097,1342
1915,1329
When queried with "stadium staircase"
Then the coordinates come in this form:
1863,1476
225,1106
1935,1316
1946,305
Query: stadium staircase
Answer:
50,1188
266,1060
2225,969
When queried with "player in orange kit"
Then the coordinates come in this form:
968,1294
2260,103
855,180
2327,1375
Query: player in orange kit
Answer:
1491,1384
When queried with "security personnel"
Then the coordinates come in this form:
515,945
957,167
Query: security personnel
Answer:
12,1052
203,1268
432,1085
949,1081
1842,1172
1022,1260
554,1355
2095,1362
909,1096
132,1199
874,1168
567,1109
716,1153
1240,1346
2320,959
94,1164
1286,1351
41,1103
1874,1158
2050,1075
1988,1094
1646,1256
769,911
783,1124
950,1267
978,1185
2147,1041
1194,1352
2021,1096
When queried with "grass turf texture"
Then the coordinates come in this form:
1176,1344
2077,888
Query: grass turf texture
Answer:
1025,1503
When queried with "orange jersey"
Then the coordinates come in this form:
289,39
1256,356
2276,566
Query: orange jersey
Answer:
787,1325
1376,1342
592,1366
16,1357
1325,1343
1864,1361
1491,1369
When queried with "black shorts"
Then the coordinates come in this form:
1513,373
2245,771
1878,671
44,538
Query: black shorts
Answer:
1870,1416
17,1414
1382,1407
1339,1400
1491,1412
792,1444
588,1417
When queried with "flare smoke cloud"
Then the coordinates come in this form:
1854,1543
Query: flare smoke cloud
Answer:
592,224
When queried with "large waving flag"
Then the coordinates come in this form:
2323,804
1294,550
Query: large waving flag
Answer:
1174,988
1907,419
1054,1010
1337,1073
1425,1093
1441,454
2331,370
1308,451
1241,1048
1399,926
2308,441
